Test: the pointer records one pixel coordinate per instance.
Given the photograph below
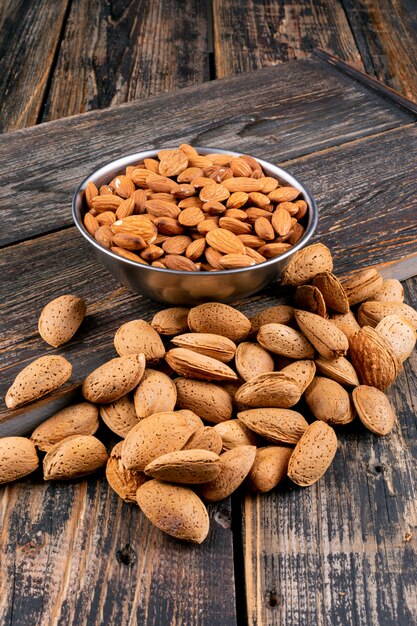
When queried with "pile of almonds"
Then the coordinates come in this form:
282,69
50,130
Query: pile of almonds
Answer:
221,406
192,212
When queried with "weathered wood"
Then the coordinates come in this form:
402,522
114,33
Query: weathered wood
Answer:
299,107
114,52
29,38
385,33
343,551
265,32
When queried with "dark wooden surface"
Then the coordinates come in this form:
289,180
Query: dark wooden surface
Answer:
342,552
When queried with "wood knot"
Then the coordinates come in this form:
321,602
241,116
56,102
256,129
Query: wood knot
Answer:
376,470
222,516
126,556
272,599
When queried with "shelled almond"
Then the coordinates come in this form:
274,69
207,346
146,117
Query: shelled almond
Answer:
209,398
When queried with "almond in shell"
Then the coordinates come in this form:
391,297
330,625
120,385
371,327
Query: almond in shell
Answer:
310,298
374,409
329,402
120,415
373,359
78,419
363,285
340,370
333,292
306,264
37,379
220,319
346,322
251,359
327,338
302,372
279,314
156,393
209,344
114,379
74,457
269,468
285,341
210,401
137,337
400,334
191,467
60,319
276,425
123,481
235,465
18,458
171,321
205,438
193,365
371,313
175,510
392,291
313,454
235,433
274,389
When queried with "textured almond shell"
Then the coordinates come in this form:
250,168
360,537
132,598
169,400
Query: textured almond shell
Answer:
400,334
371,313
171,321
155,393
340,370
37,379
190,467
120,415
123,481
276,425
274,389
177,511
193,365
220,319
307,263
329,402
234,433
114,379
285,341
302,372
74,457
137,336
374,409
18,458
209,344
279,314
363,285
210,401
310,298
251,359
333,292
392,291
235,465
60,319
373,359
205,438
154,436
313,454
78,419
327,338
269,468
346,322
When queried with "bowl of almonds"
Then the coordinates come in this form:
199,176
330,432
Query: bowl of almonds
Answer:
186,225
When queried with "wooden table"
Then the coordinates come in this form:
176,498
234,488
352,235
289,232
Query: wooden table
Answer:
341,552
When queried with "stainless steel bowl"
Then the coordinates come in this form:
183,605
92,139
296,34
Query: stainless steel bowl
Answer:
175,287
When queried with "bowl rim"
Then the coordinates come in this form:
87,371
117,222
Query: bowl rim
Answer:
145,154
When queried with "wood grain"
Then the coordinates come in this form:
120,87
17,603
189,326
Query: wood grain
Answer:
385,33
115,51
265,33
300,107
29,38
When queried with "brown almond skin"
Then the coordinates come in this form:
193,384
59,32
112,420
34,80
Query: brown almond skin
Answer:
269,468
285,341
155,393
330,402
18,458
138,337
373,359
307,263
234,433
220,319
251,359
123,481
74,457
313,454
327,338
120,415
190,467
235,465
276,425
37,379
210,401
114,379
374,409
78,419
274,389
171,321
60,319
177,511
205,438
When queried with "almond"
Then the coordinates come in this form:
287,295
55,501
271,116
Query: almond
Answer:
242,183
137,336
106,219
276,425
271,250
237,200
269,184
311,299
205,438
234,433
74,457
374,409
191,467
193,365
171,321
172,163
235,465
119,416
180,263
346,322
79,419
340,370
114,379
177,511
195,249
284,194
374,359
214,192
392,291
192,418
123,186
333,292
302,372
240,167
127,254
286,341
263,229
235,225
60,319
279,314
281,221
220,319
307,263
224,241
162,208
37,379
104,236
313,454
327,338
136,225
400,334
129,241
90,192
211,402
106,202
187,175
91,224
363,285
123,481
371,313
269,468
18,458
273,389
251,359
156,393
329,401
158,184
154,436
209,344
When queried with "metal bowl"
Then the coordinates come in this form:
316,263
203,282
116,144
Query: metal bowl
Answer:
175,287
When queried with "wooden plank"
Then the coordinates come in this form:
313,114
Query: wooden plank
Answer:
117,52
29,39
300,107
343,551
265,33
386,35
